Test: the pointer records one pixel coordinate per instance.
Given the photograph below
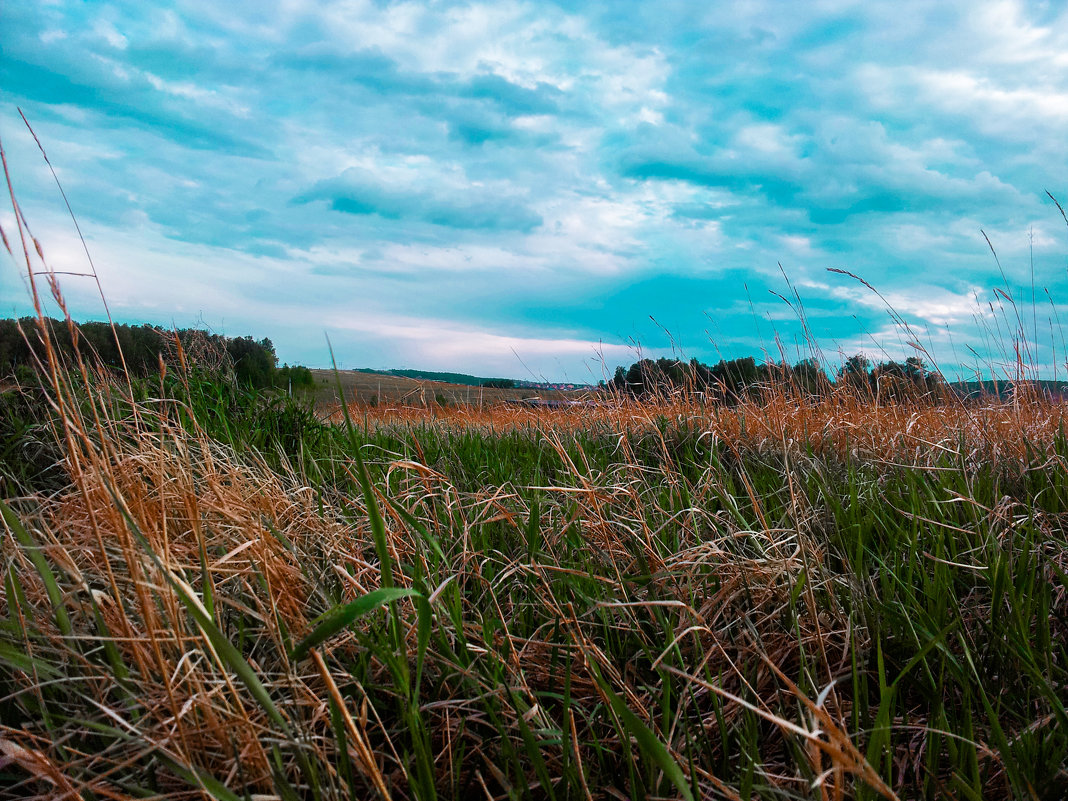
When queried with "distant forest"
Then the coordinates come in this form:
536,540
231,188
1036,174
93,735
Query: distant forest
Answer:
465,379
251,363
738,378
447,378
254,364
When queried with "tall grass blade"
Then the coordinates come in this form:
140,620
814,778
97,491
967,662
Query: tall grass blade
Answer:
55,595
228,653
648,742
340,617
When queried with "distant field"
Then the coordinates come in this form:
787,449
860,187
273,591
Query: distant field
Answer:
379,388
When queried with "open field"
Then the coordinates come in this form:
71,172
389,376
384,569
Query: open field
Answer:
363,388
217,595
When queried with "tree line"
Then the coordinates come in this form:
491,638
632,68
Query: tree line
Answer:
732,380
250,362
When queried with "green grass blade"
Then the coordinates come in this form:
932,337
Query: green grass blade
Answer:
55,595
648,742
426,618
19,659
340,617
374,514
531,746
199,778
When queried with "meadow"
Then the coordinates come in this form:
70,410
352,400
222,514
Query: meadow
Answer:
371,389
212,592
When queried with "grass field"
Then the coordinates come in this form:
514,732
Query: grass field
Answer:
363,389
220,596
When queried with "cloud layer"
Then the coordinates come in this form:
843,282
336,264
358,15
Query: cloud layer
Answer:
516,188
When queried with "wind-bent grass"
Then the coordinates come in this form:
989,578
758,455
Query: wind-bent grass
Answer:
814,600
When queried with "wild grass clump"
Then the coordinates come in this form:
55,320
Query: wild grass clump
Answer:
680,600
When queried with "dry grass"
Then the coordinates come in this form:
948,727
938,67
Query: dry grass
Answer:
740,593
400,392
842,425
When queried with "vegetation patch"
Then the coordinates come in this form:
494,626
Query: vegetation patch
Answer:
208,590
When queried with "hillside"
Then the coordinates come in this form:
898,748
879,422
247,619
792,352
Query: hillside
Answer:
366,387
465,379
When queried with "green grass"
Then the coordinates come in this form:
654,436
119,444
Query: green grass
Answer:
227,597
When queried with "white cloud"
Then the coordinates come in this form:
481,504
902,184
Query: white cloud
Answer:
108,32
524,43
650,116
187,90
428,341
798,245
1007,106
1007,36
769,140
968,93
918,305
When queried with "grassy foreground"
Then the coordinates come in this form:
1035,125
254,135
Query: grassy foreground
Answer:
208,593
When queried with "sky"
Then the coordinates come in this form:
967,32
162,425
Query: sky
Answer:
546,191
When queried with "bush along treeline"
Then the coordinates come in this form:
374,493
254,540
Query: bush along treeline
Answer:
737,379
250,362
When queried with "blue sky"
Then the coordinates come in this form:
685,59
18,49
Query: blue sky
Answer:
532,189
